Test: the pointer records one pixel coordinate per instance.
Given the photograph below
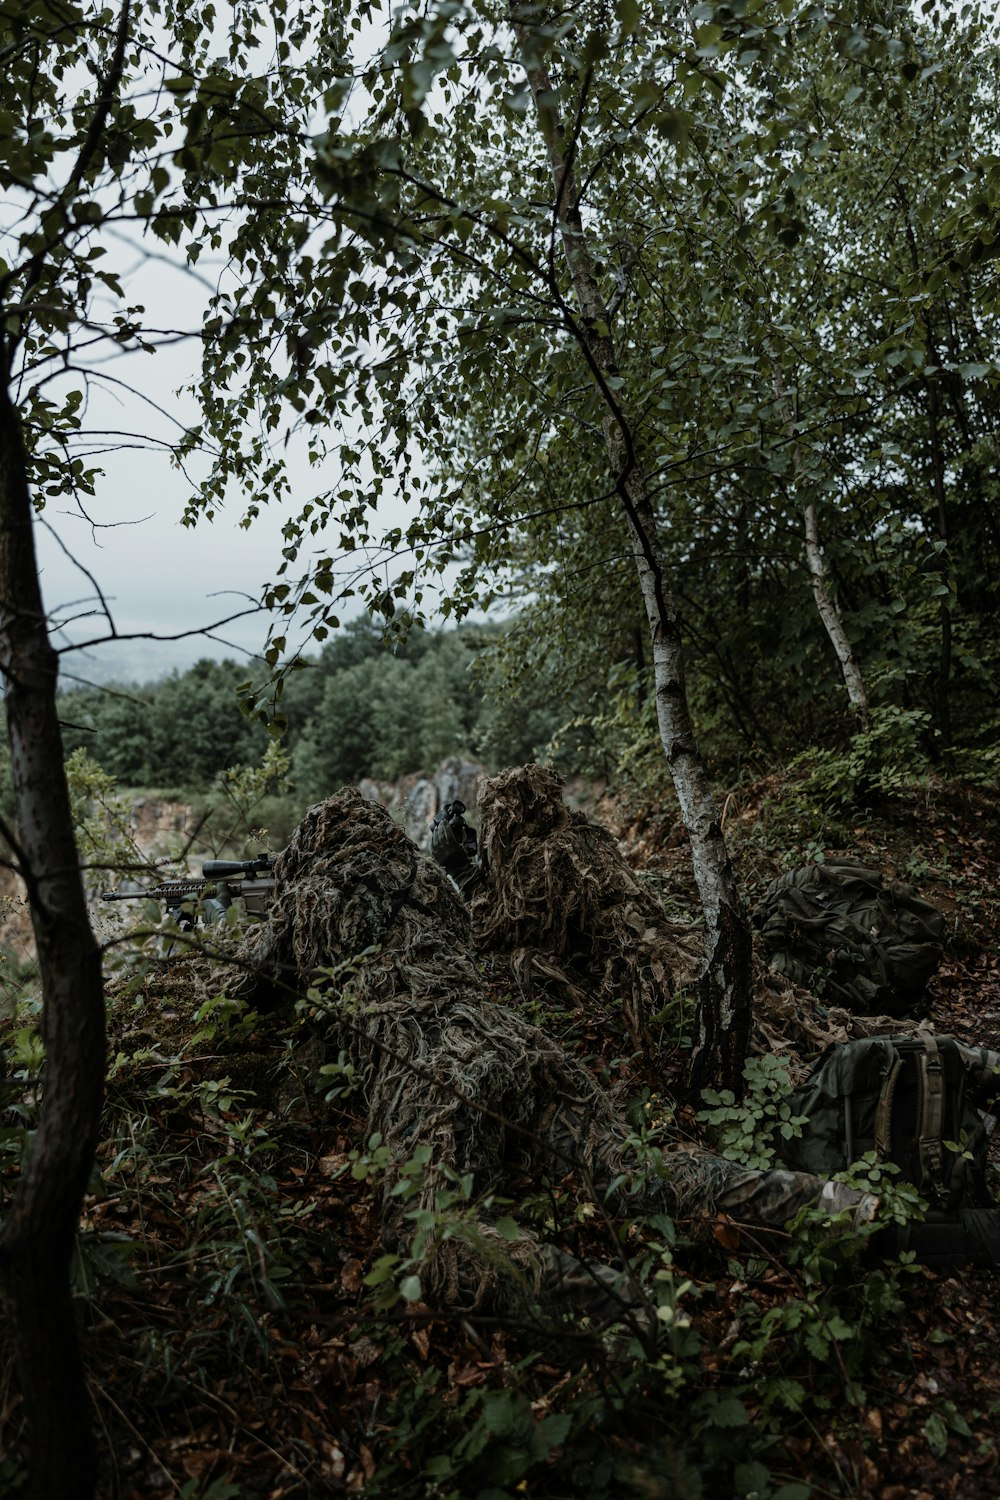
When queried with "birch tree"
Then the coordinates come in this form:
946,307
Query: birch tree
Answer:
464,246
722,1025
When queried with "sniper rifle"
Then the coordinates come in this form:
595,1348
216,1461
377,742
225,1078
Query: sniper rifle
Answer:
211,894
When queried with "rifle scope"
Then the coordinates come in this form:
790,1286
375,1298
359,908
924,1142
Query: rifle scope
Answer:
216,869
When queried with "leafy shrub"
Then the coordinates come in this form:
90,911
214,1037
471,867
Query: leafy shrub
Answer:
746,1131
885,761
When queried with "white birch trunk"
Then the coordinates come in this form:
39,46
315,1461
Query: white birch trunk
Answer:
722,1025
819,578
829,613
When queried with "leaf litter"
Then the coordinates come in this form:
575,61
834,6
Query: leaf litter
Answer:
232,1344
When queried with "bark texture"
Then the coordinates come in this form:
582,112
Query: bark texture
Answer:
830,615
36,1239
722,1025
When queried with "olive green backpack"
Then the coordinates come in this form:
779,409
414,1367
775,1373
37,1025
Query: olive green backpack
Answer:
917,1102
840,930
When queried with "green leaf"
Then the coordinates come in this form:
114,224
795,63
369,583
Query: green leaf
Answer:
500,1413
553,1431
382,1271
729,1412
935,1430
629,14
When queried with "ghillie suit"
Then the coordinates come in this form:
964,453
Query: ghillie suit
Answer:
552,893
790,1023
575,920
454,1079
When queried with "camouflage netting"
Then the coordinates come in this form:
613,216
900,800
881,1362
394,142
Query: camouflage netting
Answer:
789,1022
575,919
442,1066
577,922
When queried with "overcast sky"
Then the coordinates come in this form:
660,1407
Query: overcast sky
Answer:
157,576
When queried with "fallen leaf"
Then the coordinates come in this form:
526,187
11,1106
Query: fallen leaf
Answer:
352,1275
726,1233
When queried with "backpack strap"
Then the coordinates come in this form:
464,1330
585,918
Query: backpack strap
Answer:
930,1112
841,1074
930,1075
883,1110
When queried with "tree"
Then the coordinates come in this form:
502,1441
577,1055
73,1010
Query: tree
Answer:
494,249
722,1025
474,222
37,1235
796,389
90,148
471,249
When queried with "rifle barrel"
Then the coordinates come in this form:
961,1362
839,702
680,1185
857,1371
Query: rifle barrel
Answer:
158,892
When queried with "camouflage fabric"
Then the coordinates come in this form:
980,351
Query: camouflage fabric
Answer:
575,921
915,1101
442,1067
773,1197
603,1294
838,929
702,1185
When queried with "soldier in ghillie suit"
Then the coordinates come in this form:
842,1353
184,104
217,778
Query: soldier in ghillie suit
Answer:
551,891
382,940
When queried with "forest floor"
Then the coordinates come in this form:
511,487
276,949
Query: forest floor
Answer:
241,1345
929,1426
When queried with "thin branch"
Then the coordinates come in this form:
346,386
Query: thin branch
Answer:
153,635
44,521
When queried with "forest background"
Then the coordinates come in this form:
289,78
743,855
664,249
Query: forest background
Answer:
689,337
807,315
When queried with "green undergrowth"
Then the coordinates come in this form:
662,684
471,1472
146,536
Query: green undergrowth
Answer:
248,1334
229,1275
939,834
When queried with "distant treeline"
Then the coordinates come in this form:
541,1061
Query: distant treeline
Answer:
355,710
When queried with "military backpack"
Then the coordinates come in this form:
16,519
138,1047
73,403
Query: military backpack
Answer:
840,930
918,1102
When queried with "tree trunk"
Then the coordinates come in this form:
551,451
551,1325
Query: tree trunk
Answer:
819,579
36,1239
829,613
722,1024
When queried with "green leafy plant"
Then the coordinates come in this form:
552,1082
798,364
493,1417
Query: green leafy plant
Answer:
885,761
751,1130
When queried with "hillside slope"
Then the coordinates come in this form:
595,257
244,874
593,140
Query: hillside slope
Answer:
245,1332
